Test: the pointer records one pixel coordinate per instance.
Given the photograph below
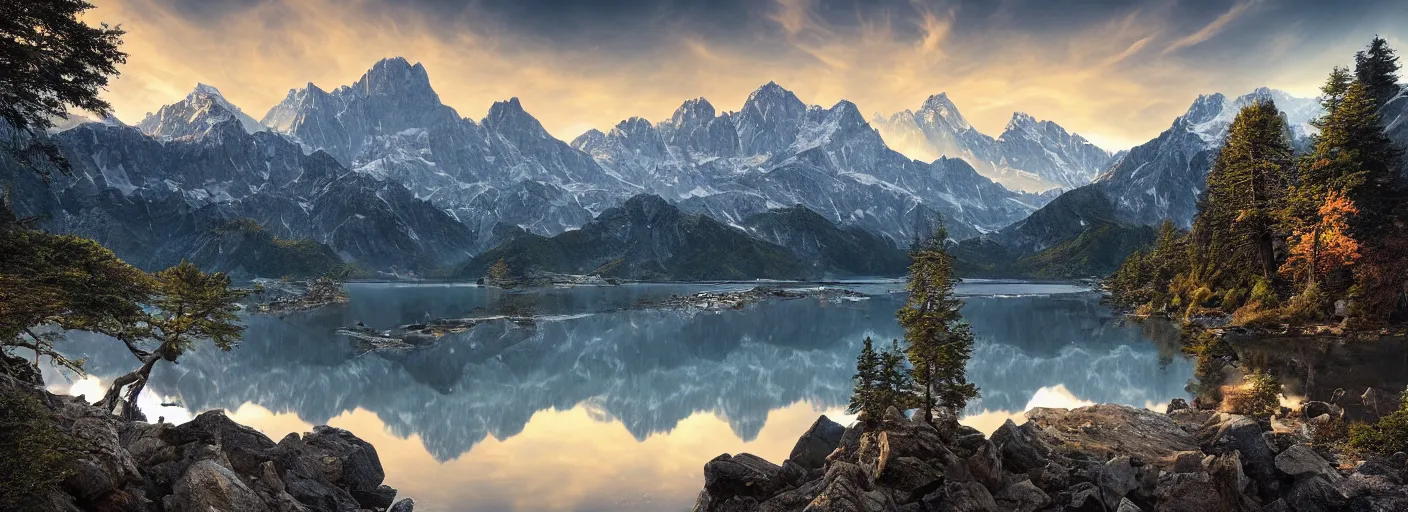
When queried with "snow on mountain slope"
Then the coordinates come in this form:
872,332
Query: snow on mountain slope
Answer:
1030,155
195,115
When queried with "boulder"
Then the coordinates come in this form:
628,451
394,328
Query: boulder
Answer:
1300,461
1023,496
1085,497
845,489
1116,480
1314,409
1020,450
985,466
347,461
819,441
910,478
1230,432
744,475
380,498
1188,492
207,485
1176,404
1314,494
1106,431
961,497
1375,486
793,499
405,505
1051,478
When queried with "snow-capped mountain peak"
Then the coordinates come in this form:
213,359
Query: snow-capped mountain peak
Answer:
940,106
202,109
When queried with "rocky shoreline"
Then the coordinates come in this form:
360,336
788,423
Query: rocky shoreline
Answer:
284,297
1091,459
209,463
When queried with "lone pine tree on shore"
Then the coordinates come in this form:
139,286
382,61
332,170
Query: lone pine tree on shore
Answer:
938,342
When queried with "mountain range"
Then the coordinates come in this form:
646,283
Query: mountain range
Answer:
1029,155
381,173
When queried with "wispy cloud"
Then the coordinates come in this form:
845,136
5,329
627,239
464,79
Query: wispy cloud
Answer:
1211,29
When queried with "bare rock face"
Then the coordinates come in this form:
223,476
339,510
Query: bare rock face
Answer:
1107,431
818,442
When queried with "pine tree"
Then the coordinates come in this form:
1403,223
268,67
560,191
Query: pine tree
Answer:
896,388
1377,68
50,61
188,306
865,389
938,342
1244,189
1332,93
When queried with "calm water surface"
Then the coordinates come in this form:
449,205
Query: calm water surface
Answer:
603,407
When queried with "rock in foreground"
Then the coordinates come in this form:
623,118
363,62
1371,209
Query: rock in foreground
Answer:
1103,458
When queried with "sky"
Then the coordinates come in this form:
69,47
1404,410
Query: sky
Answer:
1115,71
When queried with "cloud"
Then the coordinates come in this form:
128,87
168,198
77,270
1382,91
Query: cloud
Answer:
1211,29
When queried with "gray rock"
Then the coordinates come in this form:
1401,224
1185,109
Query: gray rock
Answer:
961,497
1314,494
911,478
1023,496
1188,492
1300,461
846,488
1021,452
819,441
207,485
743,475
1235,432
986,467
1115,480
405,505
1085,497
1128,506
1176,404
1314,409
379,498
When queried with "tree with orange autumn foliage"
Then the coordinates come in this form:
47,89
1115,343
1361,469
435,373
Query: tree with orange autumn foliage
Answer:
1326,246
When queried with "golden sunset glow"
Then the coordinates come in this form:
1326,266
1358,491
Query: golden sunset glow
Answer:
1117,76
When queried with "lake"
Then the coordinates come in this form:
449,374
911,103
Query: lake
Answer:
598,406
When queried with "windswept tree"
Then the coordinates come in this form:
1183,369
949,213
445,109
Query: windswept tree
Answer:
1377,68
50,62
1244,189
938,341
189,306
65,281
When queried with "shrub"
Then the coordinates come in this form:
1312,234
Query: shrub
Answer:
1387,436
35,456
1258,396
1254,314
1232,298
1262,292
1307,306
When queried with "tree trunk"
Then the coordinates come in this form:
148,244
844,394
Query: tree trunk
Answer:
929,393
137,378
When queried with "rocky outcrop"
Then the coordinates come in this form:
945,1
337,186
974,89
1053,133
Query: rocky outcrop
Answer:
1099,458
211,463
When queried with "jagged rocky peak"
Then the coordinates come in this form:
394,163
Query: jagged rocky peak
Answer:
509,117
196,114
1205,108
590,140
939,105
693,112
283,116
395,75
768,122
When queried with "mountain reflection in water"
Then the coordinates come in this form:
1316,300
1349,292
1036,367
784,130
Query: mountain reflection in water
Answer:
599,406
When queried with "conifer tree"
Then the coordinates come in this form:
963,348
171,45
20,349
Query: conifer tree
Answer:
864,392
1332,93
896,388
938,342
50,61
189,306
1377,68
1244,189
